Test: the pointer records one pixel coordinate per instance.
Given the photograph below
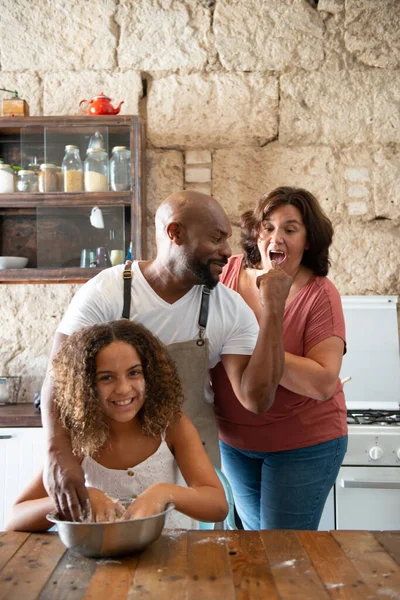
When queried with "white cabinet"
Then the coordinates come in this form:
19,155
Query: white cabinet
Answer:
22,451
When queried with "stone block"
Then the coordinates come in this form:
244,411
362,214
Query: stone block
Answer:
331,6
339,109
198,157
204,188
366,257
165,175
58,100
265,35
30,316
386,122
214,110
49,36
387,184
162,35
372,32
197,174
242,175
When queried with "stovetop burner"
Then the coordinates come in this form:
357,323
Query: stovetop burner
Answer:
373,417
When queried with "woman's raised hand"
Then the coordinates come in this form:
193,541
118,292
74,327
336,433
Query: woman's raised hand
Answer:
274,287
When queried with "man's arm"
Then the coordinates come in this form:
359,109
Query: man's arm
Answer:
255,378
63,476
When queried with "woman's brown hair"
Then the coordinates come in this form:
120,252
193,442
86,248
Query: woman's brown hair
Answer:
74,380
318,226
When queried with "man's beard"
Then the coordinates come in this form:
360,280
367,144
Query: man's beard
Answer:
202,272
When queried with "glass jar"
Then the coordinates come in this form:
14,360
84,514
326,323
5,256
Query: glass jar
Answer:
60,179
47,178
120,169
27,181
6,179
72,170
96,170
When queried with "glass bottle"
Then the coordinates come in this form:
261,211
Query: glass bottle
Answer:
72,169
120,169
6,179
96,170
96,141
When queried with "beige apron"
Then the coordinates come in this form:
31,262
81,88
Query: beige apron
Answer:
192,363
191,359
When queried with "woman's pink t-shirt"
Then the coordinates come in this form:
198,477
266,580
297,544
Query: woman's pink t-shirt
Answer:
294,421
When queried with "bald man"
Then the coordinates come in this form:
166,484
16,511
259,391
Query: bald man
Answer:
178,298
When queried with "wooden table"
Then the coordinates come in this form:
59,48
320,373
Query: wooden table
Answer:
200,565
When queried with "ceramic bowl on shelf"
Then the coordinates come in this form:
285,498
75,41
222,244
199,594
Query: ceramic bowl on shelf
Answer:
13,262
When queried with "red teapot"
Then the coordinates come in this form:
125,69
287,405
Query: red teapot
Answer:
100,105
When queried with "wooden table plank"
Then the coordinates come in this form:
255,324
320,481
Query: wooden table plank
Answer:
376,567
70,579
209,567
161,572
390,540
112,579
293,573
10,542
251,572
336,571
27,571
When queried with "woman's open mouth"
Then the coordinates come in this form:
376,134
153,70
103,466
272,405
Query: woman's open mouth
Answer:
277,255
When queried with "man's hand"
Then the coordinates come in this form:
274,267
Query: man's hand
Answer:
274,288
64,481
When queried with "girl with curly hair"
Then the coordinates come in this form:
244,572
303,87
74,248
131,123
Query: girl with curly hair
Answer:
120,398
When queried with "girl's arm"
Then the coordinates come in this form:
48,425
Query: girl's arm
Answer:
204,498
316,374
30,508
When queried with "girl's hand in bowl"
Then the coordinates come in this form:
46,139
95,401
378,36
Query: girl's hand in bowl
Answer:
104,509
150,502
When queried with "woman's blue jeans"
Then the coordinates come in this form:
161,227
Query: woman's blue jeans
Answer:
282,490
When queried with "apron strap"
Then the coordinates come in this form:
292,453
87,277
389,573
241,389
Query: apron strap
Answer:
203,316
204,306
127,277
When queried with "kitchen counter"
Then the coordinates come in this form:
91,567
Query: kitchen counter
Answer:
189,565
20,415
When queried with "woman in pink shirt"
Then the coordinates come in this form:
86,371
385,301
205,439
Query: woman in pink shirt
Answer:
283,463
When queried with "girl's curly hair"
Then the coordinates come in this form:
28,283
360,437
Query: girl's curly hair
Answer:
74,380
318,226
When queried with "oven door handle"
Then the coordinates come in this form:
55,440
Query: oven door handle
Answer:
359,483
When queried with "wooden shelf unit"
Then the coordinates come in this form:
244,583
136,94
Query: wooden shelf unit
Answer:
61,216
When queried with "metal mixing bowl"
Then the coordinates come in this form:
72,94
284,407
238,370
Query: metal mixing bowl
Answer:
110,539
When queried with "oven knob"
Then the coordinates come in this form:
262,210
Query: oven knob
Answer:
376,453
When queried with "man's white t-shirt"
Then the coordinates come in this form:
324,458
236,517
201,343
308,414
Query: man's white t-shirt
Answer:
231,327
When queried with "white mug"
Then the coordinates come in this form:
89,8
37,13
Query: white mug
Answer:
117,257
96,218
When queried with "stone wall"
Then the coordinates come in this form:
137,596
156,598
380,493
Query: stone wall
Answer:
238,97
